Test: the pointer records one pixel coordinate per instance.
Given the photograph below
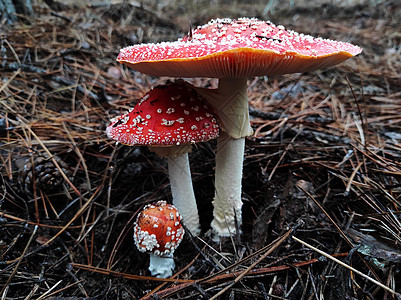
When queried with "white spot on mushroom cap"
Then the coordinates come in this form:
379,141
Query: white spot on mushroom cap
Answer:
144,241
167,122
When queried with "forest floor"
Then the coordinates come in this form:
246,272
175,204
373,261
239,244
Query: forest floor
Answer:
323,166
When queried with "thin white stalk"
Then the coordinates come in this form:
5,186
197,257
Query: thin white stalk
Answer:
230,102
183,192
228,178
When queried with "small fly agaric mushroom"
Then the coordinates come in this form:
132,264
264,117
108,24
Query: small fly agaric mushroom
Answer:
170,118
158,231
233,50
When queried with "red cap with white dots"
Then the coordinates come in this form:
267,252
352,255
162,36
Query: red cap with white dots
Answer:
245,47
158,229
171,114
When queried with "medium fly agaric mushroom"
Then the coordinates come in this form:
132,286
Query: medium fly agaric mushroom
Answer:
170,118
232,51
158,231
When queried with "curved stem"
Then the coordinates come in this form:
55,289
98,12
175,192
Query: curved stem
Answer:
183,192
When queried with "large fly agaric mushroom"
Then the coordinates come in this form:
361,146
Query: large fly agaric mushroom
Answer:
170,118
158,231
233,50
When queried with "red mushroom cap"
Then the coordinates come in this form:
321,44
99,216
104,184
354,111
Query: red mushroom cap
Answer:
171,114
226,48
158,229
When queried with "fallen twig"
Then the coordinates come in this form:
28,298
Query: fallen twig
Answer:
348,267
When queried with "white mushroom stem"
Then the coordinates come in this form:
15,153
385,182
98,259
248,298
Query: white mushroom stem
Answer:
182,189
183,192
227,201
161,266
230,102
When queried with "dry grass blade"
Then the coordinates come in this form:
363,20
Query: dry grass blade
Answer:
45,295
348,267
8,216
128,276
168,292
345,237
327,215
261,258
19,260
267,270
49,293
79,213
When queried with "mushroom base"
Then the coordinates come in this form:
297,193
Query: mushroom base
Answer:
161,266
